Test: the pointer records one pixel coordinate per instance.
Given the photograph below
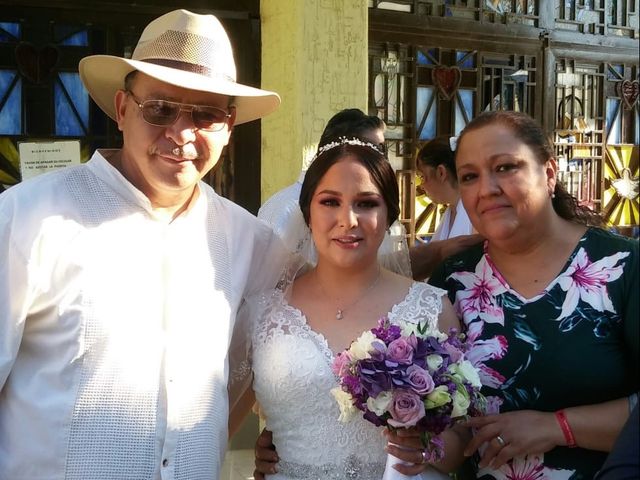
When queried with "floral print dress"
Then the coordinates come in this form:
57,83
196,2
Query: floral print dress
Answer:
576,343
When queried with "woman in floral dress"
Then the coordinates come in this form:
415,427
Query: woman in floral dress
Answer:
551,302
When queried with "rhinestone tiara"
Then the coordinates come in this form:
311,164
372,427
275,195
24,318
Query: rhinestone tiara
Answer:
346,141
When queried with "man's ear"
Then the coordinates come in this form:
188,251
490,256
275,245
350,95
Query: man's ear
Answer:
120,102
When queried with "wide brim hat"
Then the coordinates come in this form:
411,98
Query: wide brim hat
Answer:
184,49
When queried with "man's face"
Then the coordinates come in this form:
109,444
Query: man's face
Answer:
166,162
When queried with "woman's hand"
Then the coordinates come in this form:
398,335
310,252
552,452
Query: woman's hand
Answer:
513,434
406,444
266,456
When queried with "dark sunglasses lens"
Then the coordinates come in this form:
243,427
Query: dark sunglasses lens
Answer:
159,112
208,118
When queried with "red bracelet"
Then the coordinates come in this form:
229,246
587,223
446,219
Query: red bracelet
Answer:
561,417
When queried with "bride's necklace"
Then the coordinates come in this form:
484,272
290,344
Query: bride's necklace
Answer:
340,312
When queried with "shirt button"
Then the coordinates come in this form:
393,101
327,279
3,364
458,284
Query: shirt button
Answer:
165,462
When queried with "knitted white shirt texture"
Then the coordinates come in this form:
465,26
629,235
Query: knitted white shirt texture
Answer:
114,327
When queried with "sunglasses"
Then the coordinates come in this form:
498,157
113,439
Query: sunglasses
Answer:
162,113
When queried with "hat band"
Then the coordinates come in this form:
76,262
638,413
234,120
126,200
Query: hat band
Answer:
189,67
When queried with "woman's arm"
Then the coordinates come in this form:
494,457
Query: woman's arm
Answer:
594,427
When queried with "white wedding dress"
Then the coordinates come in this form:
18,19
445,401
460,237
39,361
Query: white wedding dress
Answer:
292,382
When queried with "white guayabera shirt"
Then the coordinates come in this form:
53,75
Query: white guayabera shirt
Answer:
114,327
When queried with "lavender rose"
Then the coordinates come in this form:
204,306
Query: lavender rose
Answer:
406,409
400,350
419,380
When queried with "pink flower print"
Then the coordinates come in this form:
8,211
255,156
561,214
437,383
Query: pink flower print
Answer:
529,467
478,299
482,350
587,281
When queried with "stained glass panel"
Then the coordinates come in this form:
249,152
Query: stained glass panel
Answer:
71,36
428,57
614,126
426,106
9,32
71,106
464,109
465,59
11,94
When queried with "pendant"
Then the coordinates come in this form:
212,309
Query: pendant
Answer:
339,315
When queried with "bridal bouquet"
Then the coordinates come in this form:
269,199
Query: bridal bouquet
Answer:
404,376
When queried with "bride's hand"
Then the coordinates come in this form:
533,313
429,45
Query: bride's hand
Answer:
266,456
406,444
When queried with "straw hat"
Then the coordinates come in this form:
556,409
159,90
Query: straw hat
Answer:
183,49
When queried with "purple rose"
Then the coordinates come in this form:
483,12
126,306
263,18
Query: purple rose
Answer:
400,350
406,409
419,380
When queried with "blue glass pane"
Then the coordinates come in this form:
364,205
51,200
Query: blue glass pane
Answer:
67,123
469,62
71,36
9,32
613,70
613,125
11,113
80,39
424,96
427,58
467,104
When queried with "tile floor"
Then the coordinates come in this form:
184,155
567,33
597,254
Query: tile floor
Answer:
238,465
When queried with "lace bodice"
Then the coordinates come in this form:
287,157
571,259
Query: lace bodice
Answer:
293,379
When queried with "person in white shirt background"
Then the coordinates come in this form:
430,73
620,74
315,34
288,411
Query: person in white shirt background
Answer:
436,168
121,277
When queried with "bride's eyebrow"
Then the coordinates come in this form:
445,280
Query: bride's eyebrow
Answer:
328,192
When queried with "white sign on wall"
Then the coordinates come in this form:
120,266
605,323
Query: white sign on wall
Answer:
42,157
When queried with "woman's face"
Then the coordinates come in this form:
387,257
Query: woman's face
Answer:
504,189
432,184
347,215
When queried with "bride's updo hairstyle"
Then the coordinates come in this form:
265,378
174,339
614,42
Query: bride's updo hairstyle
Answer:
369,156
527,130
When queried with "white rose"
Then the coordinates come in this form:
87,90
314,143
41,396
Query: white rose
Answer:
345,403
360,348
434,362
407,329
468,371
455,372
460,404
379,404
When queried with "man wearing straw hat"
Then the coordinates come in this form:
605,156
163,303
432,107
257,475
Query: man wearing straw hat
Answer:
120,279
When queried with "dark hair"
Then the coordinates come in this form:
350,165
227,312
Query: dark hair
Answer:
438,152
128,80
529,132
376,164
349,122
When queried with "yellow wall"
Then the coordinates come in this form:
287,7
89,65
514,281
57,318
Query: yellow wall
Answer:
314,54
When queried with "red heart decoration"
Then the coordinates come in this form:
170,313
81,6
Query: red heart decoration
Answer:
447,80
36,65
629,91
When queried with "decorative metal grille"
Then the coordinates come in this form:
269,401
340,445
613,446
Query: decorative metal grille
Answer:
579,129
523,12
598,17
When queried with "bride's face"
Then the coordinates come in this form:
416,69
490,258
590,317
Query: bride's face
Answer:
347,215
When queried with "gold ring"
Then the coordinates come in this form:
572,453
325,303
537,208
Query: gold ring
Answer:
500,440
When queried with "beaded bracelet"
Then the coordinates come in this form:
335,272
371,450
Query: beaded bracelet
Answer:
561,417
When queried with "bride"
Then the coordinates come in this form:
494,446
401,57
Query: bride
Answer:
349,198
